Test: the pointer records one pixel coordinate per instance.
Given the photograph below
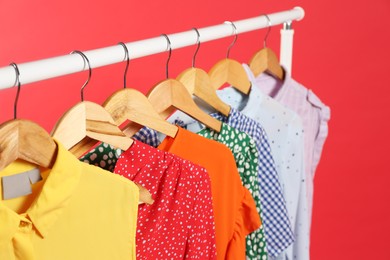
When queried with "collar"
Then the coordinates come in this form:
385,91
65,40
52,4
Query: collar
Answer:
266,79
241,102
230,137
219,137
234,115
169,143
55,195
183,139
194,126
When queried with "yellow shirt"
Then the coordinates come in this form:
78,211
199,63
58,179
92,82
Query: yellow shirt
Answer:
77,211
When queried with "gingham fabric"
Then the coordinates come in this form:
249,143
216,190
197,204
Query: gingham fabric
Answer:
277,227
286,138
147,136
314,114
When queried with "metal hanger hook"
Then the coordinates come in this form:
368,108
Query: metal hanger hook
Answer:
197,47
17,82
269,30
127,57
235,38
169,47
85,58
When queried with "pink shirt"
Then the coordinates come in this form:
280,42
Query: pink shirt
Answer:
314,114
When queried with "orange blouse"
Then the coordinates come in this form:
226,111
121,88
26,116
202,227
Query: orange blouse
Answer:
235,211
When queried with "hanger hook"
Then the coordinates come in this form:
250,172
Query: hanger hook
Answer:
169,47
235,38
13,64
85,58
197,48
269,30
127,57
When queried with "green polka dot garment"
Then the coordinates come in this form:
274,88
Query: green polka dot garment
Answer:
245,153
104,156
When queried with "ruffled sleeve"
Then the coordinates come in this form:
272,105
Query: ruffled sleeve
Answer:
322,134
247,221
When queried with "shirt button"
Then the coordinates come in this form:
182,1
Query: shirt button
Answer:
24,225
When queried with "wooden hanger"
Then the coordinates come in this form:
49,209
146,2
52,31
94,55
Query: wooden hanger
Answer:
265,60
87,122
84,124
26,140
230,71
170,94
130,104
198,83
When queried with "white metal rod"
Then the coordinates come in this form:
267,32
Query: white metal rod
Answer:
286,48
67,64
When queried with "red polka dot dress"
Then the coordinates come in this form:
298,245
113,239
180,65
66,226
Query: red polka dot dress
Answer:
180,223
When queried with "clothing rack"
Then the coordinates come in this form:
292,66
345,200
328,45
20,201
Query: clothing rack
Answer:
67,64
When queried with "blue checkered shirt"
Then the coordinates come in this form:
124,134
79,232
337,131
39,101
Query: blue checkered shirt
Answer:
277,228
147,136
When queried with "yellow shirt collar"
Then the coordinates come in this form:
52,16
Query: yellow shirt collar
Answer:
56,192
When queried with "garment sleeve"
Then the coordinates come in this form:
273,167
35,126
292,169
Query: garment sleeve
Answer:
322,134
201,239
247,221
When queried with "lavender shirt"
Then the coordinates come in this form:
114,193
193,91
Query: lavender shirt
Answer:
314,114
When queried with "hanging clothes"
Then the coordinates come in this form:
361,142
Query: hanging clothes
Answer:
284,128
278,230
314,114
246,156
180,223
74,206
234,208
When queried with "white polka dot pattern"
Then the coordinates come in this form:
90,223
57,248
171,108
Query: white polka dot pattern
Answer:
180,223
275,216
285,131
234,208
277,226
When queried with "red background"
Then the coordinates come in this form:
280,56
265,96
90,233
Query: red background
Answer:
341,51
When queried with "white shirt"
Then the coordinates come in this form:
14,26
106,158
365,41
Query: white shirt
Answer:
314,114
285,132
